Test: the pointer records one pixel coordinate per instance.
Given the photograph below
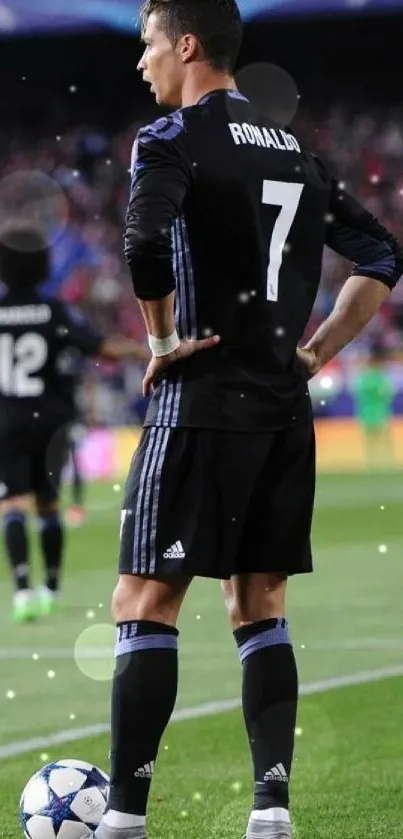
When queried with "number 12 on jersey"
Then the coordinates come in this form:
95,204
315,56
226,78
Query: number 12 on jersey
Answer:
287,197
19,359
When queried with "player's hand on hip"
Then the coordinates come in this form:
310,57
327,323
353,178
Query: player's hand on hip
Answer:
309,360
186,348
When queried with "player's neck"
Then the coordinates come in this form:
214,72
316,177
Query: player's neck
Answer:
202,81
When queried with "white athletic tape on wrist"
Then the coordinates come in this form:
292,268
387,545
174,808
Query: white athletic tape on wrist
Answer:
163,346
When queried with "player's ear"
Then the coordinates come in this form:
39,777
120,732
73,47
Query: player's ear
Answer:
188,47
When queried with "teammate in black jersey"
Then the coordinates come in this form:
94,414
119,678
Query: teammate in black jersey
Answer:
37,340
226,225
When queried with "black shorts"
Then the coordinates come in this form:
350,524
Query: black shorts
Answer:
216,503
32,462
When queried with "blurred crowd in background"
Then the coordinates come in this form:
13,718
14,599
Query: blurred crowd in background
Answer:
365,151
91,167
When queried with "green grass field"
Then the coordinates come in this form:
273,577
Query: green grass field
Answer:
346,619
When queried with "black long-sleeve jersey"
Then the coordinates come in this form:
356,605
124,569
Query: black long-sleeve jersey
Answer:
228,210
39,343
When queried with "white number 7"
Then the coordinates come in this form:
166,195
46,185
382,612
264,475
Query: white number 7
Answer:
287,196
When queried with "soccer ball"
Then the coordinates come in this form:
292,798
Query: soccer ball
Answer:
65,799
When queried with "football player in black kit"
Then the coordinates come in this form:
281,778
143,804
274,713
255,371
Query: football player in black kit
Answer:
37,337
226,225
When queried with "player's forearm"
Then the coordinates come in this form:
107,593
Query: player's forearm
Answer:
159,316
116,349
359,300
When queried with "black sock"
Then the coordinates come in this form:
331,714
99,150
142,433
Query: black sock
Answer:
269,698
77,489
143,697
52,539
16,540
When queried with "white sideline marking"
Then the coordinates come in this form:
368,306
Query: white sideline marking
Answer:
20,747
58,653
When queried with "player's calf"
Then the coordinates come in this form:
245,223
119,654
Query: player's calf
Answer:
269,695
14,512
51,532
143,695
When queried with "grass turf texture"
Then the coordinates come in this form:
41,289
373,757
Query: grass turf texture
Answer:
345,618
347,782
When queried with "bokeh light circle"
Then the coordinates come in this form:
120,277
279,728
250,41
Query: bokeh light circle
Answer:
34,197
94,651
271,89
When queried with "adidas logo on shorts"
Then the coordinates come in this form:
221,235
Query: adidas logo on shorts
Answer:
175,552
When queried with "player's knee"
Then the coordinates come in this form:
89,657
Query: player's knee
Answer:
136,599
20,504
254,597
230,602
44,508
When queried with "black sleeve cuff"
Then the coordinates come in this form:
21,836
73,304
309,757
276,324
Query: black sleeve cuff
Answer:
152,279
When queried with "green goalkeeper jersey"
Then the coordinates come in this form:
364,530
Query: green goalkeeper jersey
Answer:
373,394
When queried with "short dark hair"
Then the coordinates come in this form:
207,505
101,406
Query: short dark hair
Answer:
216,24
24,256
